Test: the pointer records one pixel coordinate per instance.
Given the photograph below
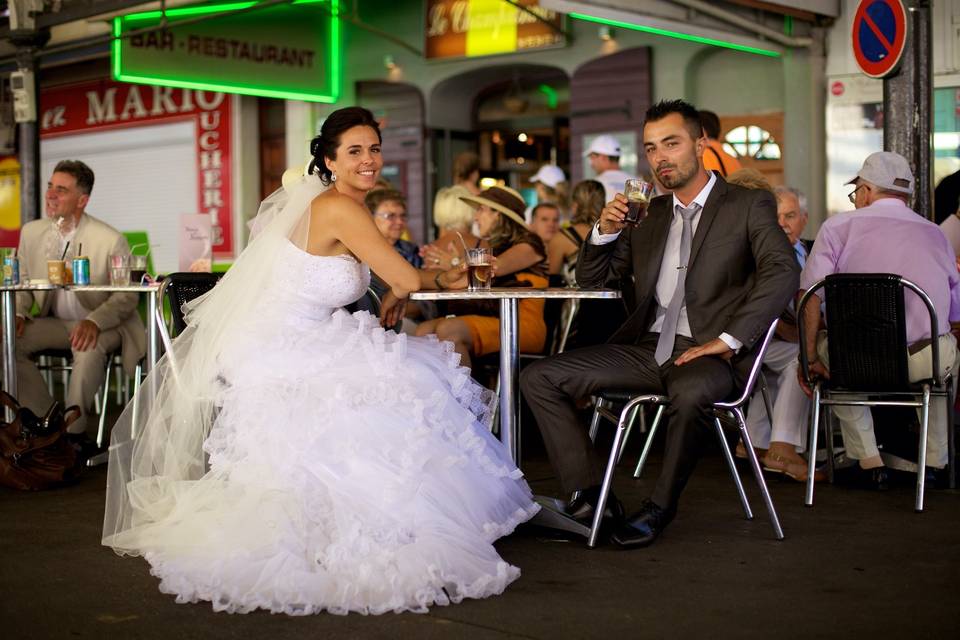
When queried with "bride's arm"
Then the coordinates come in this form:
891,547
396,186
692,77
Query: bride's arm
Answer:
353,226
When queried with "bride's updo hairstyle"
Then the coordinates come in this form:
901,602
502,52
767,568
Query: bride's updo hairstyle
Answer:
325,145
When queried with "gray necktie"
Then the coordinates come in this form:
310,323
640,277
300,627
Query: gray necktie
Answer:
668,332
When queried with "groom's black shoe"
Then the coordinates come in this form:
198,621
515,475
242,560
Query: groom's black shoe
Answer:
583,507
644,526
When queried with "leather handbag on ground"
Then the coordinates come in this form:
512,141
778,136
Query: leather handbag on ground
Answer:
34,451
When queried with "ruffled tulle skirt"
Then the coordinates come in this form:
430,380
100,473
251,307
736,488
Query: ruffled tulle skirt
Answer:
350,469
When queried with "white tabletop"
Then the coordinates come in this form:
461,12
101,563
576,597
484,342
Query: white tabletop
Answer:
499,293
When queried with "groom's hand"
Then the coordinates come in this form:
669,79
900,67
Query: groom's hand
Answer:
715,347
611,218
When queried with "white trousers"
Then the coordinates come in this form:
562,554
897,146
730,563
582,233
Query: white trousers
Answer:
856,423
791,406
89,367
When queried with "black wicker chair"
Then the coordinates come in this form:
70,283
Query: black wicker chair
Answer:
182,287
867,344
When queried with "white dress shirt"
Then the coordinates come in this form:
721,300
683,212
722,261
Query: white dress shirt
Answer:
670,265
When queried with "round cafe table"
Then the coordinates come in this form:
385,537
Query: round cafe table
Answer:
8,307
509,299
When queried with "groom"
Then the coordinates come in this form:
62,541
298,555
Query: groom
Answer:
712,270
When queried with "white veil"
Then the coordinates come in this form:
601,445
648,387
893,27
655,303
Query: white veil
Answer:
156,447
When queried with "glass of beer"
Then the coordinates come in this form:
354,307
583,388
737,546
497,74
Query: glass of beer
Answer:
56,272
638,194
479,269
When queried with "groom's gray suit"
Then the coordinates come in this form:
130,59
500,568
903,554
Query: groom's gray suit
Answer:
741,274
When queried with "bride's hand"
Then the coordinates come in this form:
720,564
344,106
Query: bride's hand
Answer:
392,310
454,278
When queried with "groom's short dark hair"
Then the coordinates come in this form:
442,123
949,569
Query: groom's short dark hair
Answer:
689,113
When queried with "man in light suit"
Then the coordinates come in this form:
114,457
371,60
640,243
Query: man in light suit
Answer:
91,324
712,270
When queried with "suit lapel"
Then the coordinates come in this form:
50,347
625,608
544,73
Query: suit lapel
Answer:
707,216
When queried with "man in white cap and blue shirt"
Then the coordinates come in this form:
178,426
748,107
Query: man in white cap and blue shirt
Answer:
885,236
604,156
547,179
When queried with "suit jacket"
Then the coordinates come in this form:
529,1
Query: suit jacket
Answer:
107,310
741,275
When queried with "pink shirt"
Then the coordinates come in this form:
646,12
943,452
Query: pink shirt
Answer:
888,237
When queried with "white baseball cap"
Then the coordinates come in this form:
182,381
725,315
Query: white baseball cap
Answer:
887,170
550,175
605,145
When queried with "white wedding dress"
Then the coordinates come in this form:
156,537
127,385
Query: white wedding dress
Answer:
348,468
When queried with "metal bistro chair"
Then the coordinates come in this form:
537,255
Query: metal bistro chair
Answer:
182,287
867,342
731,412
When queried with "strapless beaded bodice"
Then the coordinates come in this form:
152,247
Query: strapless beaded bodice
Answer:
309,286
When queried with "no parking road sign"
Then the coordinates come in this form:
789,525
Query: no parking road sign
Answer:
879,36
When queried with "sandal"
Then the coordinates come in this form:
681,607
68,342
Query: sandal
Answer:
790,468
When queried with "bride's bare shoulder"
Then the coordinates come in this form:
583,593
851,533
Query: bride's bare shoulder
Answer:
332,205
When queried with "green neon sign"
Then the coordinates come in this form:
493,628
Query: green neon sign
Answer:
679,36
288,51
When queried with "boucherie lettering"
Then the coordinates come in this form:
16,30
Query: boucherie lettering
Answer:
225,48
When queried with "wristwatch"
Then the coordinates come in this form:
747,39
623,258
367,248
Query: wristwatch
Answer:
455,261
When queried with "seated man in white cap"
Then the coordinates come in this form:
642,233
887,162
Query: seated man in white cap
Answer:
551,184
604,155
885,236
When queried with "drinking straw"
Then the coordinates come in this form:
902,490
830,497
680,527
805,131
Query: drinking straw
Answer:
79,249
64,256
464,243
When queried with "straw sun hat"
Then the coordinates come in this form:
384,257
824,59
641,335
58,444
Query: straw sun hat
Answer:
501,199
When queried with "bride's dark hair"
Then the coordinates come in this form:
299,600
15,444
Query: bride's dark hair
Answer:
325,145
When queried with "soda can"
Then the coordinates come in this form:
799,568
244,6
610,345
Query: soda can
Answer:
81,270
11,270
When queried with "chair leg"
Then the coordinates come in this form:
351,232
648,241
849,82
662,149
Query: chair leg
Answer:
595,420
649,443
828,418
136,401
758,474
951,438
601,505
637,410
766,397
812,444
104,393
922,452
567,325
728,456
495,422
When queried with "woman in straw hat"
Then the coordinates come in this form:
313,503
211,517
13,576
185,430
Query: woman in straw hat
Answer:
521,261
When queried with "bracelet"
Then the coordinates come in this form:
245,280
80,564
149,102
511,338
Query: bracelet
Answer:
436,280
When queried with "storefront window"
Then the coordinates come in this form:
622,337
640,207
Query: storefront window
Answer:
946,132
751,141
855,130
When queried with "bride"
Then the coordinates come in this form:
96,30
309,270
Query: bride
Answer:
289,456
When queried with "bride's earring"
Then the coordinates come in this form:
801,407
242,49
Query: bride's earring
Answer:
333,177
